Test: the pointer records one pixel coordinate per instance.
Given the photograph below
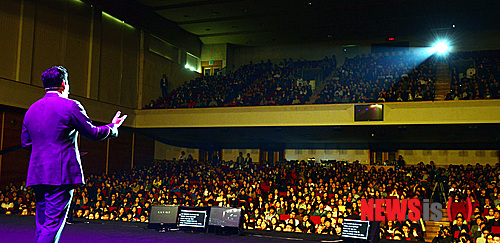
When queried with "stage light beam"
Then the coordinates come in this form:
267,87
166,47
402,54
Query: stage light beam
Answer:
441,47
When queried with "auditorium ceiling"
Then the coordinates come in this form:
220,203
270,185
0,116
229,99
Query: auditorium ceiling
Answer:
375,137
268,22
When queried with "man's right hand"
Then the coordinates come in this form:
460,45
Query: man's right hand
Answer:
117,120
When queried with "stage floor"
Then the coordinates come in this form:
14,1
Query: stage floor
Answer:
20,229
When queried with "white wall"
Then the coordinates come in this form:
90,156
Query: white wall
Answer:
165,151
350,155
440,157
316,51
446,157
214,52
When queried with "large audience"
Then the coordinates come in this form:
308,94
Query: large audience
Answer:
390,77
479,80
402,76
289,196
258,84
397,77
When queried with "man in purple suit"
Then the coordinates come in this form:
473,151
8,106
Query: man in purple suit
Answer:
50,130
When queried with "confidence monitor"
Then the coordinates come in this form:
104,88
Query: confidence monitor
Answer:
373,112
356,229
225,217
193,218
224,220
163,216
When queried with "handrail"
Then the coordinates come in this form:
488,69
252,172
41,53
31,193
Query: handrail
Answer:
11,149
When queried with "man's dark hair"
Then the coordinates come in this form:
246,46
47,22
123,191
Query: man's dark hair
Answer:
53,77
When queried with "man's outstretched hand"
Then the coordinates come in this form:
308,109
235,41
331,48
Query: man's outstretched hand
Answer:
117,120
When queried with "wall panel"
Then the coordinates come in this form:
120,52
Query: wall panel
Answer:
14,164
168,152
154,67
9,26
120,152
76,56
94,162
361,155
447,157
27,39
101,53
144,149
111,60
95,56
49,39
232,154
131,45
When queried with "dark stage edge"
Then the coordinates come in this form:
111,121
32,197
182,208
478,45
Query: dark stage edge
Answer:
18,229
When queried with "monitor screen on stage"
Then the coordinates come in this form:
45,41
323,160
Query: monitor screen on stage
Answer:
369,112
223,216
192,217
355,229
163,214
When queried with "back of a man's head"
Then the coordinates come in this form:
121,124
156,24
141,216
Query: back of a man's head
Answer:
486,232
53,77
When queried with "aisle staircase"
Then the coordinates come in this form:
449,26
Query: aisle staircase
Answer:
432,227
443,81
319,89
316,94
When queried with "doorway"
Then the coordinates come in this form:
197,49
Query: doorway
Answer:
271,156
383,157
211,67
210,155
207,71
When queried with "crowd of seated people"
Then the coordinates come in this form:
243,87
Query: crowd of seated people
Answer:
259,84
397,77
477,81
393,77
288,196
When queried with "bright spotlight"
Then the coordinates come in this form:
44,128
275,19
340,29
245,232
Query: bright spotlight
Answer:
441,47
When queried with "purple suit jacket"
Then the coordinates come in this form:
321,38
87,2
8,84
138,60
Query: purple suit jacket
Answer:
51,127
